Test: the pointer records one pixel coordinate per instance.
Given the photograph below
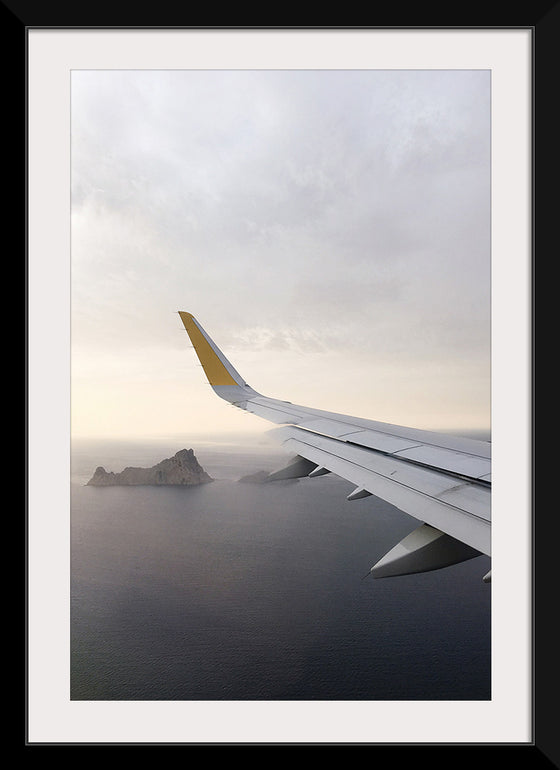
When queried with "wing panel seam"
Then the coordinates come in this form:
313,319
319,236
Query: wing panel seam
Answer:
478,481
400,483
360,428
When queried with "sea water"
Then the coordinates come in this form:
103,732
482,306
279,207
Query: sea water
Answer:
238,591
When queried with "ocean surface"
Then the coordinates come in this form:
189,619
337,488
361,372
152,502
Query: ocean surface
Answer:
236,591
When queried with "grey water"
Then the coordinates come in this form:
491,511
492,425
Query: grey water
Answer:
236,591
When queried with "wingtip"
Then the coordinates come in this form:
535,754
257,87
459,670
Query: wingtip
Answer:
218,369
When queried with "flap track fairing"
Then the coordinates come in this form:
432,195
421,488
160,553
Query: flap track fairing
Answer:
423,550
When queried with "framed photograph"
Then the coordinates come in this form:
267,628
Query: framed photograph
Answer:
343,216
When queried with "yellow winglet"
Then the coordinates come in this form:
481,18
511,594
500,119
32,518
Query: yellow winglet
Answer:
215,369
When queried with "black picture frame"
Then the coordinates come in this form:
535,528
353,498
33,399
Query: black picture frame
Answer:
544,750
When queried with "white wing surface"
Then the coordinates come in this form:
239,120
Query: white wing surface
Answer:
442,481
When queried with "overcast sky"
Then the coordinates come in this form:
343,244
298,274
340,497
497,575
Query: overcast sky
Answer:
329,229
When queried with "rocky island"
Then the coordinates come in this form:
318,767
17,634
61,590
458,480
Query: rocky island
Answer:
260,477
183,469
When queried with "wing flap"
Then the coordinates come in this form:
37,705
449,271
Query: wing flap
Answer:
430,496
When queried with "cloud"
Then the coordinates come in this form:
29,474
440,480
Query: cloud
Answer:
290,210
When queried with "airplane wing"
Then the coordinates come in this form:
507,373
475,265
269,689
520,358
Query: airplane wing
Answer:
442,481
